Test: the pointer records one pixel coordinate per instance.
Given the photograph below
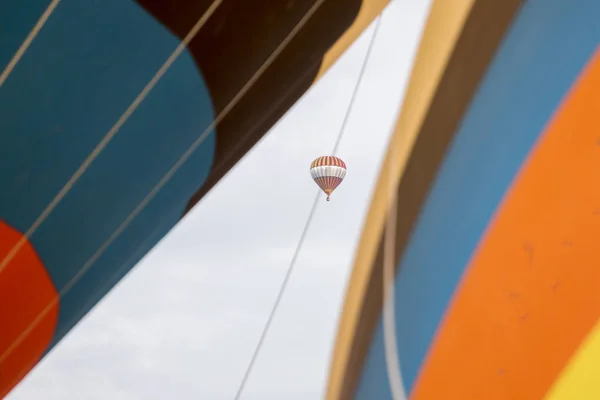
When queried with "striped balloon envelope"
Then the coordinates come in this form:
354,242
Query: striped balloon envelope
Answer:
328,172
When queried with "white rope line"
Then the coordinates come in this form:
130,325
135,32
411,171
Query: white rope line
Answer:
165,179
27,42
390,337
390,343
109,135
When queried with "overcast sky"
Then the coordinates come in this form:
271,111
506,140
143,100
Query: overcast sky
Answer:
183,324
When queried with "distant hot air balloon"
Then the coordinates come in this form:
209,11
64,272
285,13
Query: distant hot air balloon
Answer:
328,172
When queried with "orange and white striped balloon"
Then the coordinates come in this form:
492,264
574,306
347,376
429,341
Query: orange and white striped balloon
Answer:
328,172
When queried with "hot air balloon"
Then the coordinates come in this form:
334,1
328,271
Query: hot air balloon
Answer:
328,172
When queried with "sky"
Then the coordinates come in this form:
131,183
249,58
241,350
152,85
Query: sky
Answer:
184,323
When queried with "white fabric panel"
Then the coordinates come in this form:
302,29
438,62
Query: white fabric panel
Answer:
328,170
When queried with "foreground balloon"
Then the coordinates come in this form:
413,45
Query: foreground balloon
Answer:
507,309
328,172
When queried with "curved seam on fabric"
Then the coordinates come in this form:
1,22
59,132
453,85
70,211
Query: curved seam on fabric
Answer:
163,181
27,42
109,135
